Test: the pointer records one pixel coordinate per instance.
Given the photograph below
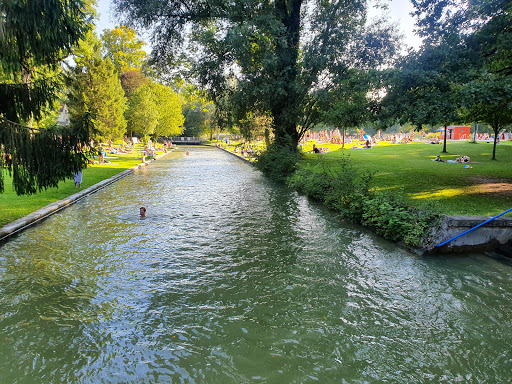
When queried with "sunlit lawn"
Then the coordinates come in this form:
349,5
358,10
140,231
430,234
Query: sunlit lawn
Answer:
13,207
407,170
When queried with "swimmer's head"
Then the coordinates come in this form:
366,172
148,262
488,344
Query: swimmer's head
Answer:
142,211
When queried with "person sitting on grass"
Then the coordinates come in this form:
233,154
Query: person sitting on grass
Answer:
315,149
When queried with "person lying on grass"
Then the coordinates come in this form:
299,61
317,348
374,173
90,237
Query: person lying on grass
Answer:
460,159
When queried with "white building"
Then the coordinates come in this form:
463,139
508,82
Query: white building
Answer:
63,118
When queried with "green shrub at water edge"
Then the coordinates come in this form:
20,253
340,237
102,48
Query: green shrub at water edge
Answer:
397,221
347,191
278,162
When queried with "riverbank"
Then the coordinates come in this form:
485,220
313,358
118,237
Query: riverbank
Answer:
13,207
464,195
408,172
482,187
123,165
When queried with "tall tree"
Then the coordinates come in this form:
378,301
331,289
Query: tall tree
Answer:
197,117
422,88
123,48
278,51
350,103
482,29
105,97
170,116
95,90
35,36
489,100
143,114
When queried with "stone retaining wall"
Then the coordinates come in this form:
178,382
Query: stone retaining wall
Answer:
36,216
485,238
237,155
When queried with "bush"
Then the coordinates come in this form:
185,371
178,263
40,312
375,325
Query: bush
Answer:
278,161
397,221
348,192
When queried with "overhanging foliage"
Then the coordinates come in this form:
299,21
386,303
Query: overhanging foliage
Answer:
37,160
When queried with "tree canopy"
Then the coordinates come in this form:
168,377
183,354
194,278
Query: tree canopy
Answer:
473,41
35,36
123,48
95,90
278,52
170,116
143,114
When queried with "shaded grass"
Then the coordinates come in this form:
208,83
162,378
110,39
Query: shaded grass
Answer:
13,207
407,172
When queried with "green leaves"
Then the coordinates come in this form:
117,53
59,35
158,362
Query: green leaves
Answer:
143,113
123,48
348,191
35,37
268,57
170,116
95,89
39,32
39,159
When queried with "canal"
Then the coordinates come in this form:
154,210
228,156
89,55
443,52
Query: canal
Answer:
233,279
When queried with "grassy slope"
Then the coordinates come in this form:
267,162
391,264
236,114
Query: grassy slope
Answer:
407,170
13,207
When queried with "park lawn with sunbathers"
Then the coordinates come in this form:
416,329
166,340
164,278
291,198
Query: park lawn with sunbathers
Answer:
13,207
404,170
408,172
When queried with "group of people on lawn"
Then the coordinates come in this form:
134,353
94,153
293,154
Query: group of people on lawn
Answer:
460,159
105,149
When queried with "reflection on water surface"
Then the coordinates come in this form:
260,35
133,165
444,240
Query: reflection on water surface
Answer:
232,279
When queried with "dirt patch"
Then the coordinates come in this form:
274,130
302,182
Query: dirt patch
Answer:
490,185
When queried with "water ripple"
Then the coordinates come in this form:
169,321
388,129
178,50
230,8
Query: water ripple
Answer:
232,279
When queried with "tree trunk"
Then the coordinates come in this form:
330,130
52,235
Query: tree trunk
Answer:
444,144
284,108
496,132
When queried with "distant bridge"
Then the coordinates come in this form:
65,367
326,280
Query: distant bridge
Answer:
186,140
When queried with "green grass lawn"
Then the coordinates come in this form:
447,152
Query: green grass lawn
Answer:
13,207
406,170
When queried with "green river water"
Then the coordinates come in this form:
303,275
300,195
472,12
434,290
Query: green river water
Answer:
233,279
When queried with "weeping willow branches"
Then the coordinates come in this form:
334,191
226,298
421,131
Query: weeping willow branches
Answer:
37,160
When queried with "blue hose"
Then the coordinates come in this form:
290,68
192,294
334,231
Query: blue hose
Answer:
469,230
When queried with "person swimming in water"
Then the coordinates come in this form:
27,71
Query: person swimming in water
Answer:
142,212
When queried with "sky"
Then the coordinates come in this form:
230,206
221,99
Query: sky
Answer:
399,11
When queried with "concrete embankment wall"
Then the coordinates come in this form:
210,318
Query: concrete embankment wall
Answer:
237,155
42,213
485,238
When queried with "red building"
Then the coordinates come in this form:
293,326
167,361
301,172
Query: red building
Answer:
456,133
